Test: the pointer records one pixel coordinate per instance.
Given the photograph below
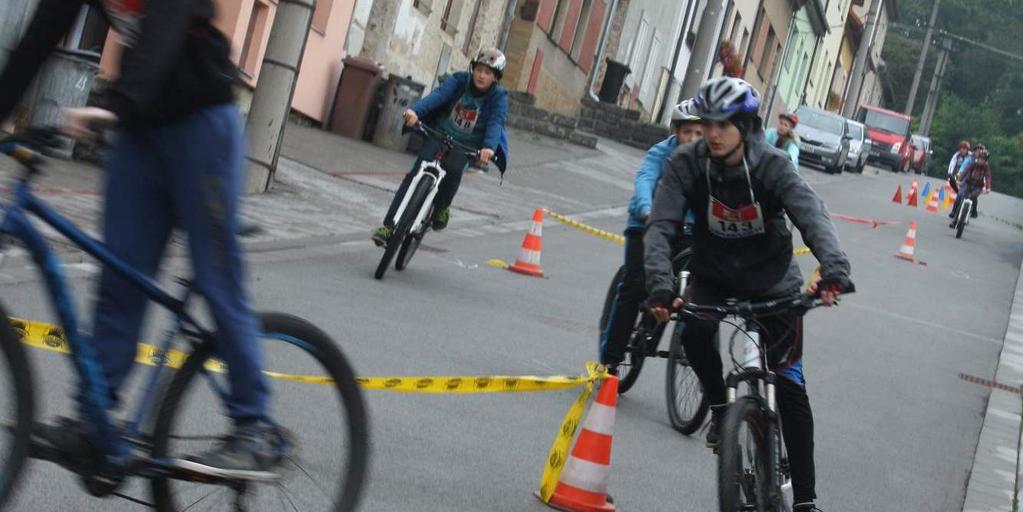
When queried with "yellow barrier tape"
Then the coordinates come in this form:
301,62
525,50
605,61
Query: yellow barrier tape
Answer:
558,453
619,239
599,233
50,337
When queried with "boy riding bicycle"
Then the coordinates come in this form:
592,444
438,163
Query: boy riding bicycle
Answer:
973,182
686,129
471,107
740,189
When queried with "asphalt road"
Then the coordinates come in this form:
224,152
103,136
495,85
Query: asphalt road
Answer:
896,427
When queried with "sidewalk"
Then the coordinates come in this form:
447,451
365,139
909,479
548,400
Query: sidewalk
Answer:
331,189
995,478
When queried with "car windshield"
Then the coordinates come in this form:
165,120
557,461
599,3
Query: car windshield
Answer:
821,121
855,131
886,122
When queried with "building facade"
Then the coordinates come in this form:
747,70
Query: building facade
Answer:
808,29
424,39
551,49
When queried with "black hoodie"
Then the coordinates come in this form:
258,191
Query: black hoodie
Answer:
175,61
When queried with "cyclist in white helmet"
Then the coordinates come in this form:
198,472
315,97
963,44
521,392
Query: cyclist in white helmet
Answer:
470,106
740,188
685,129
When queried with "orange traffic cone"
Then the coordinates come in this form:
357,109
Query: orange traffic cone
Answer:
908,249
932,202
528,262
898,195
911,197
583,483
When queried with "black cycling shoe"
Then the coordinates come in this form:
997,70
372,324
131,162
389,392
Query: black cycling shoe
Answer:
717,413
249,453
805,507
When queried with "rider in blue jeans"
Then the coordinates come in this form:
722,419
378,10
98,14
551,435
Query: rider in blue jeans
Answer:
176,162
471,107
686,129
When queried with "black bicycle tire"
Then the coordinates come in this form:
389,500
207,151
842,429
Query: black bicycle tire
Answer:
403,227
13,463
746,409
961,219
609,299
334,364
682,424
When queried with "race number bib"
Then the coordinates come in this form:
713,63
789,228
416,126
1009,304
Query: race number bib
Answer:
464,117
728,222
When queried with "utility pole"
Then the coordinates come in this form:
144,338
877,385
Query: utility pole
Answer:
859,70
931,107
271,101
922,60
703,51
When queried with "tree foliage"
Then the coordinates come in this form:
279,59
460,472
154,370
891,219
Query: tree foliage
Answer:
982,95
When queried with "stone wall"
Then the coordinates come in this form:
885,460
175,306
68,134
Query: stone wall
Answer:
525,115
619,124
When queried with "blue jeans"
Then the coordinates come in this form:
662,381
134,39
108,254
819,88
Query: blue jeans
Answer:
186,174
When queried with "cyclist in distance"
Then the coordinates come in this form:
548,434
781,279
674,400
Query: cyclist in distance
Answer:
471,107
785,137
956,163
974,181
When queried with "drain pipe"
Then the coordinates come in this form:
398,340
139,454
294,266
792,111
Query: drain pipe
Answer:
603,47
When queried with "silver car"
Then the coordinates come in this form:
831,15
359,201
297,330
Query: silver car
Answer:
858,146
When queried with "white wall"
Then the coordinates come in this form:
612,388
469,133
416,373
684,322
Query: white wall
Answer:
648,43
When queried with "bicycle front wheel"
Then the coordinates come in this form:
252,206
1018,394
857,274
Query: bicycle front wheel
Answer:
17,406
964,215
743,458
316,400
687,405
403,230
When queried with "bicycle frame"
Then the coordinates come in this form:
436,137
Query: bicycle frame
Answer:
94,393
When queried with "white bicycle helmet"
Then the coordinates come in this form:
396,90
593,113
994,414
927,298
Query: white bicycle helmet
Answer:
492,58
721,98
685,112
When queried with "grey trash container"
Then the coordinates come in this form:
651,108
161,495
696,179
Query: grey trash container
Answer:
399,94
65,82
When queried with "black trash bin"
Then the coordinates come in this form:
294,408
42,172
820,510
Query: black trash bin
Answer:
614,77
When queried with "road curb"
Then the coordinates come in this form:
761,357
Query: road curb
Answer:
995,474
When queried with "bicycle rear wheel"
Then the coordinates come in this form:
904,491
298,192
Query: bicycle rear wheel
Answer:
743,458
408,249
687,405
404,227
17,407
315,398
609,301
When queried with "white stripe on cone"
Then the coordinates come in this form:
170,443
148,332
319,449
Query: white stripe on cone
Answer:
529,256
601,419
536,229
586,475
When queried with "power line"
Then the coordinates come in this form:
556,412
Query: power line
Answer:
963,39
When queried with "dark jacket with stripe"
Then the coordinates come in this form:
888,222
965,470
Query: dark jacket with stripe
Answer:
754,267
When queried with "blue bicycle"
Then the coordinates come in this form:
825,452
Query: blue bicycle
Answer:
312,384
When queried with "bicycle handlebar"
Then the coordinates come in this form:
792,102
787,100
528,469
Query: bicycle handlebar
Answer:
444,138
800,302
